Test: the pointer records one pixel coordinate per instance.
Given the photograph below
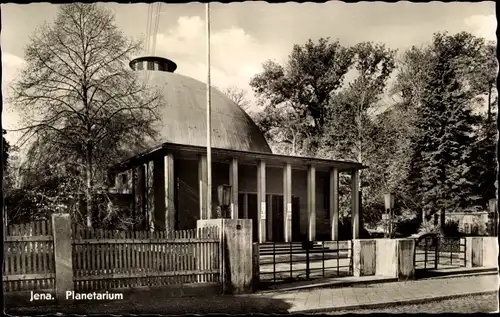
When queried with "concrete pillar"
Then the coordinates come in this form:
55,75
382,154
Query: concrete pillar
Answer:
237,254
473,251
61,230
311,202
363,258
287,201
202,185
169,189
233,181
150,197
355,203
334,204
140,192
406,265
261,200
490,251
386,257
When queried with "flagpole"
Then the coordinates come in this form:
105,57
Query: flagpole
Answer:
209,123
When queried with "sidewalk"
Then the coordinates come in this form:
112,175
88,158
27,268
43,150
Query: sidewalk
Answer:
357,296
303,301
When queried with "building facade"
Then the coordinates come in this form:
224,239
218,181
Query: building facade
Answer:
288,198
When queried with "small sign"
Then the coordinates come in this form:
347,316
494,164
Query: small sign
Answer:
263,210
385,216
289,208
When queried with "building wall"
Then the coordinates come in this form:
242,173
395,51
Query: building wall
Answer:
187,191
188,205
470,221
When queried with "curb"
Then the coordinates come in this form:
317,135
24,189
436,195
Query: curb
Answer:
394,303
470,274
330,285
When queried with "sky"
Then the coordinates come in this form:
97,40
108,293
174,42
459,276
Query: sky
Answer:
244,35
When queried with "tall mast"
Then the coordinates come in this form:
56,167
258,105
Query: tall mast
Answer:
209,125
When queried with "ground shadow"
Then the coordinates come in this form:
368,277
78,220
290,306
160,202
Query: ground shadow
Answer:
154,302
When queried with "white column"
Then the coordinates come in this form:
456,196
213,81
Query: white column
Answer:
334,203
355,203
202,185
233,181
169,192
311,202
287,201
261,199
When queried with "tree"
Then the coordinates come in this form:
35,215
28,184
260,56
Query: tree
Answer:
351,130
5,150
443,155
303,86
83,107
238,96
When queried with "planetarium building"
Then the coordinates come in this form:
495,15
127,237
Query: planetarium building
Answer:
288,198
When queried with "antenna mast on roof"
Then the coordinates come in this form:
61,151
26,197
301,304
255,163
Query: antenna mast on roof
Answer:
209,128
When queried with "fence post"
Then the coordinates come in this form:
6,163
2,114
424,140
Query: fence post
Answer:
61,227
255,266
436,252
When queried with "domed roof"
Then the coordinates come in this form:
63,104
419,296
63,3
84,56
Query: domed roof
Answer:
183,113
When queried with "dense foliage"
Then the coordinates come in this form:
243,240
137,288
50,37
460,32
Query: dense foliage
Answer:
430,143
83,107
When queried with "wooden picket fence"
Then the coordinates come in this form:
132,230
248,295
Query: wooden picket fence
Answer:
110,259
113,260
28,257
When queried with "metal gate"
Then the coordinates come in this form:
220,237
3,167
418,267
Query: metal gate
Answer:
434,252
281,262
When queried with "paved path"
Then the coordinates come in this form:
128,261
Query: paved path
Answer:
372,295
305,300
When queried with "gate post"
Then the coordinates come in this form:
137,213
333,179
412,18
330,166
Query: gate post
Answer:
255,266
436,252
236,259
61,227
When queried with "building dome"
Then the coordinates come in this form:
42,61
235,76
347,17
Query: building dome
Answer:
183,113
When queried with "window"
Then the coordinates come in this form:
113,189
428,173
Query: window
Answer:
139,66
151,65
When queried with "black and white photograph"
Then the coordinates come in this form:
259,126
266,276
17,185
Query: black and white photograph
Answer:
249,158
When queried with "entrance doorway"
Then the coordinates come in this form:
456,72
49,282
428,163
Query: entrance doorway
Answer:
275,231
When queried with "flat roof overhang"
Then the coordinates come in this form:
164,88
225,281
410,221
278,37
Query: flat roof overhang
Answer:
190,152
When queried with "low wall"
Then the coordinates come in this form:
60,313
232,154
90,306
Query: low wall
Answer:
406,264
386,260
490,251
363,257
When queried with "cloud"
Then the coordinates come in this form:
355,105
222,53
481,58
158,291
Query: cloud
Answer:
483,26
235,55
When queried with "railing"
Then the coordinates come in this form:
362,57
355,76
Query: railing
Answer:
28,257
440,252
109,260
281,262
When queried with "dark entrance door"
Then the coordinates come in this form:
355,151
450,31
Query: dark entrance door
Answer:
296,219
252,214
278,234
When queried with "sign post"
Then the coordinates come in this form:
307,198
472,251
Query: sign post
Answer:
389,206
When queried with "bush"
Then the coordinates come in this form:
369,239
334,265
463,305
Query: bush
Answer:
345,230
429,227
451,229
407,227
